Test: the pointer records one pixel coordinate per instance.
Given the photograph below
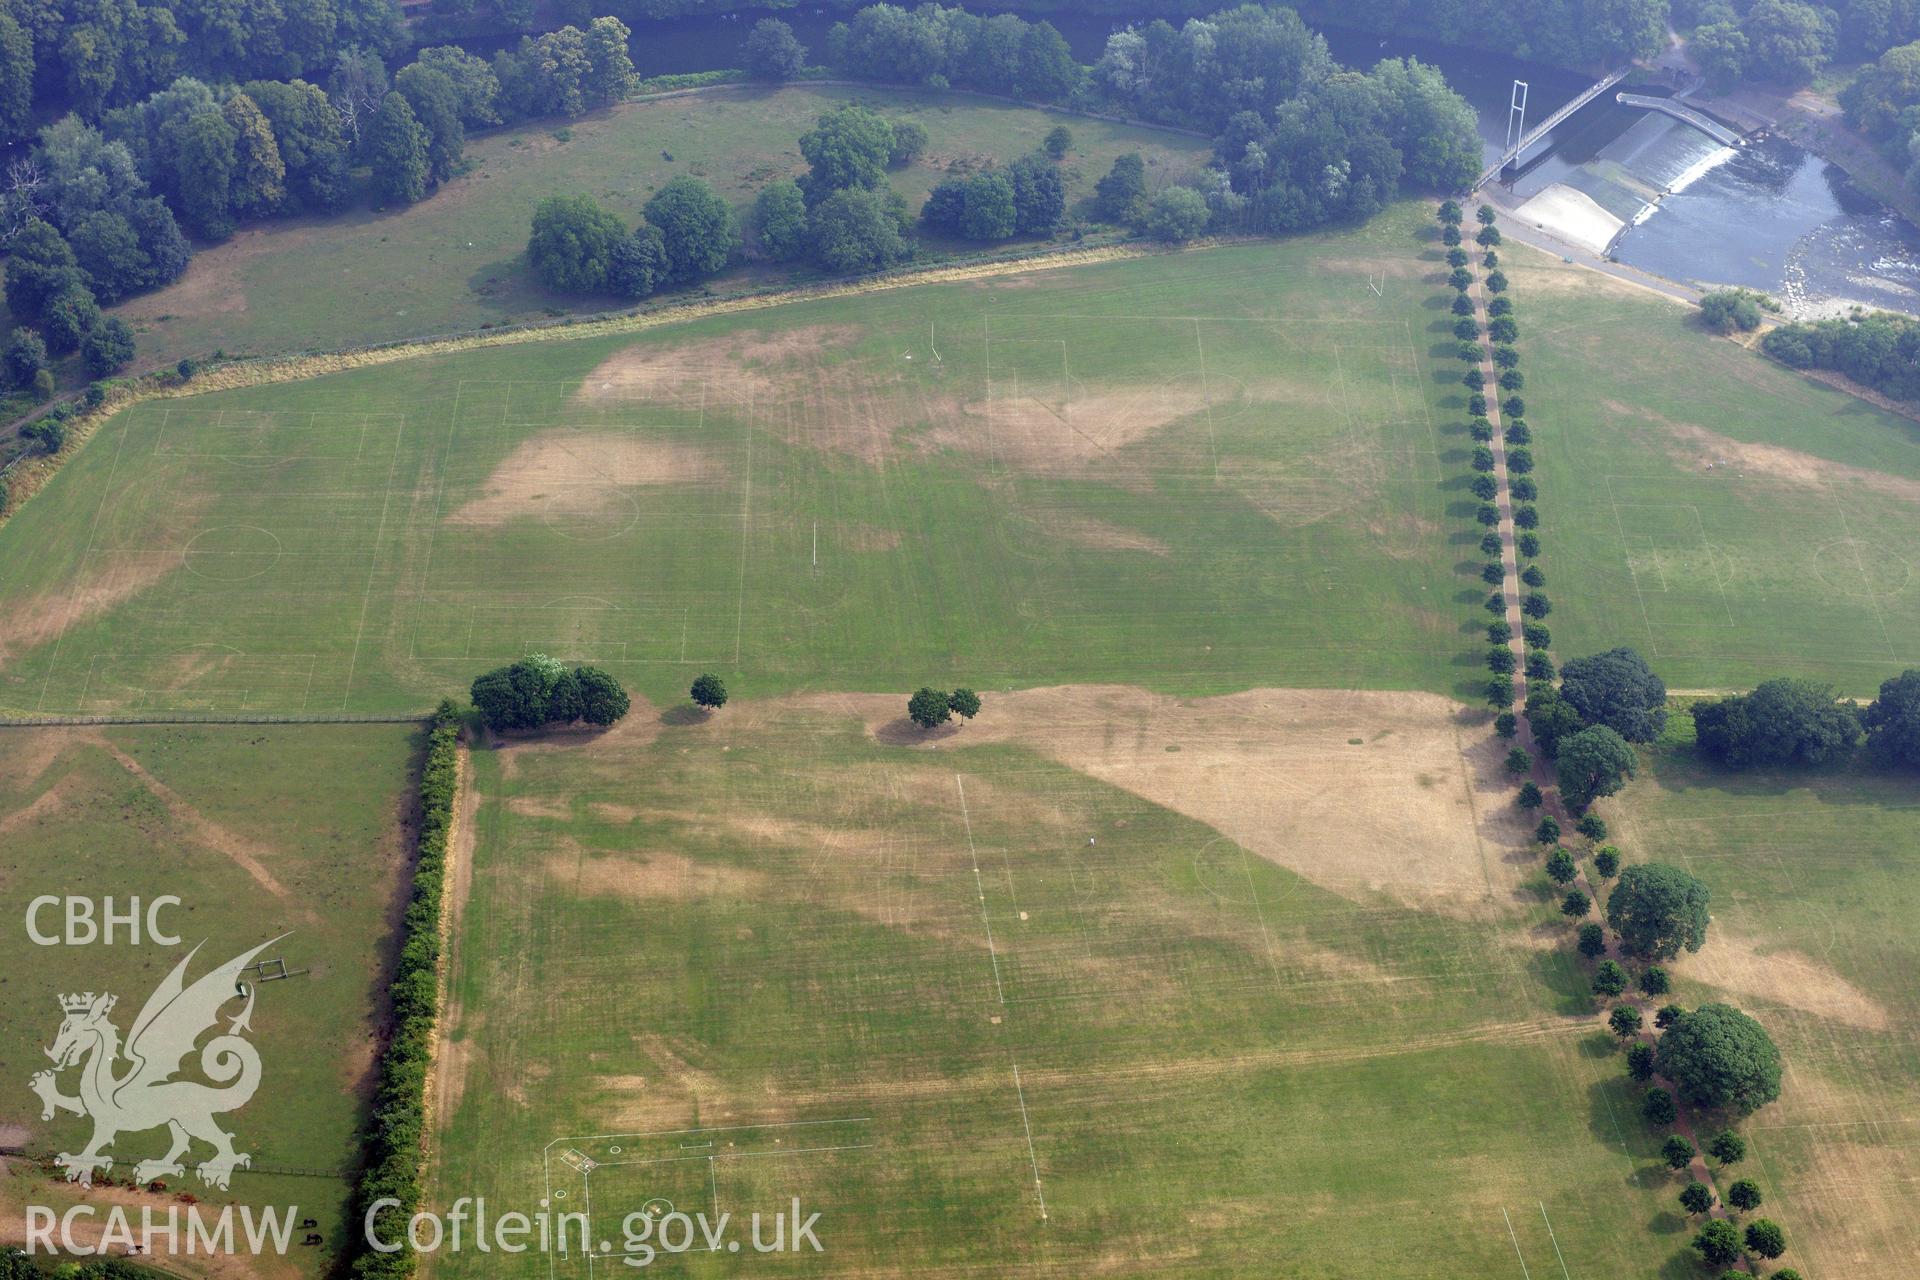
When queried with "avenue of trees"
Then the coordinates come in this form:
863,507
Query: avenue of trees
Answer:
538,690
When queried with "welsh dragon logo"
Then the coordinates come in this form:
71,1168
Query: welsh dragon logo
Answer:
131,1087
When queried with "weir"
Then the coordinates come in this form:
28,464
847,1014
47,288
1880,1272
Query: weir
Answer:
1680,111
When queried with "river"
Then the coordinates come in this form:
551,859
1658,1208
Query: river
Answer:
1768,216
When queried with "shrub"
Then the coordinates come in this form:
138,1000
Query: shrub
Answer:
1057,143
1175,216
108,348
25,355
1728,310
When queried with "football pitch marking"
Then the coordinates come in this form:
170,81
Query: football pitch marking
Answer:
1032,1159
980,889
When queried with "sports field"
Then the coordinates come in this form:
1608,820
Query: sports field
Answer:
1019,1001
1730,519
261,831
1814,888
458,259
1194,471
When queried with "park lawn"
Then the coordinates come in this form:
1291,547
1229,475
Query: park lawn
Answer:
129,811
1195,471
987,1012
1792,555
1815,888
457,260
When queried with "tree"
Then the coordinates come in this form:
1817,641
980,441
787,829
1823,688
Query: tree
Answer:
397,150
1782,722
1175,216
202,150
16,79
1727,310
965,703
476,81
24,357
160,239
1658,1105
1058,142
1506,724
1624,1021
602,700
1496,281
857,229
1592,826
258,183
1122,194
1535,604
909,140
708,691
69,317
610,76
1549,715
1591,763
1744,1195
696,228
638,263
1721,1059
928,708
1664,1017
1657,910
1677,1152
108,348
1640,1062
1460,278
1718,1244
780,220
1548,832
847,147
1593,941
1787,42
1766,1238
40,266
573,243
1609,979
1518,760
516,696
987,210
772,52
1619,690
108,251
1529,796
436,106
1721,50
1696,1198
1449,213
1892,720
1575,904
1039,195
1728,1147
1561,868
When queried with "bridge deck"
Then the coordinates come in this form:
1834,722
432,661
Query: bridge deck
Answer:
1550,123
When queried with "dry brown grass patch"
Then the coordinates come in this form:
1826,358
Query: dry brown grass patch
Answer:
580,475
1736,964
651,874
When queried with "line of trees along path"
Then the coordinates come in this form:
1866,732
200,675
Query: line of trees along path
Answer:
1543,774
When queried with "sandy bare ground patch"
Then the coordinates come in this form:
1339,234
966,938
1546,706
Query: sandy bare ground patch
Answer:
580,475
739,368
1737,965
1100,535
1694,446
1044,436
651,874
44,805
113,580
1416,808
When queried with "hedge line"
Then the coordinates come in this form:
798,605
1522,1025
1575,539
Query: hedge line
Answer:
395,1140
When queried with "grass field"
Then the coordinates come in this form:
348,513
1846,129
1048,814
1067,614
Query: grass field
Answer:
458,260
259,831
1017,1003
1814,888
1193,471
1793,554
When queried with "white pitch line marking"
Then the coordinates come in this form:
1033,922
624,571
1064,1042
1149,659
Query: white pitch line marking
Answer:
1032,1159
980,889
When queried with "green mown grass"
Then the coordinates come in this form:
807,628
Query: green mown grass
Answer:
1796,559
1223,1068
320,808
1197,472
457,260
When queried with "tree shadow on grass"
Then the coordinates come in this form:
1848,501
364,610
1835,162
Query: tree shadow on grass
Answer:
685,713
905,733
